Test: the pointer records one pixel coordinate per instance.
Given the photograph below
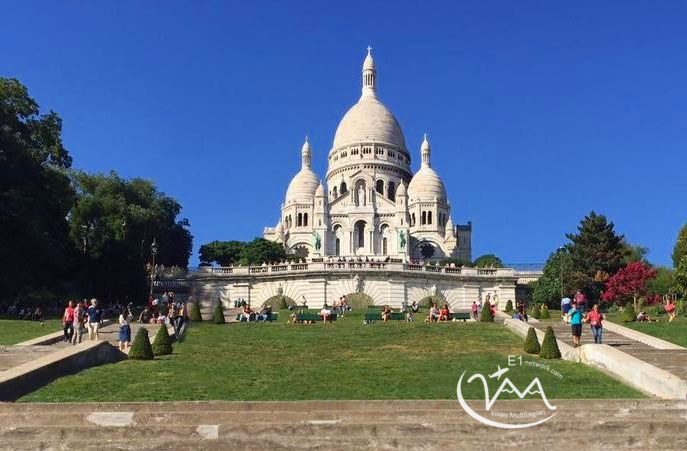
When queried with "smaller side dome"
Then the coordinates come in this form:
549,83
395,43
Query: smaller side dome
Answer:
401,191
304,184
426,185
319,192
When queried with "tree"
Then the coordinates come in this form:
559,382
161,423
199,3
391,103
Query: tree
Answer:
140,348
547,289
629,283
195,315
509,306
680,249
662,284
162,345
260,251
549,347
596,252
218,314
680,276
488,261
531,342
224,253
486,315
629,314
113,223
35,199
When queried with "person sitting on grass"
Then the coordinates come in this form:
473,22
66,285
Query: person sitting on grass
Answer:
443,313
265,314
671,310
246,313
433,315
643,317
386,314
414,307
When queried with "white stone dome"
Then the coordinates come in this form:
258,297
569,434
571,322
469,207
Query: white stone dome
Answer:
303,186
369,120
426,185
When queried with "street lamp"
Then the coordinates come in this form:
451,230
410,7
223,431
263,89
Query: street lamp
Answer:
560,269
153,251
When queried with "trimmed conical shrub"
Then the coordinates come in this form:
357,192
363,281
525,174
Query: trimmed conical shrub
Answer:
140,348
509,306
162,345
544,312
218,315
549,347
629,314
531,342
535,311
486,315
194,314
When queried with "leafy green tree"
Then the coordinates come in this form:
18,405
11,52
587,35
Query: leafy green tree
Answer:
261,250
488,261
224,253
35,199
531,345
680,249
680,277
218,314
162,345
549,346
596,253
662,284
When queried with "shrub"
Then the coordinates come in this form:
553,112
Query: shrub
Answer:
194,314
549,347
531,342
629,314
680,308
162,345
656,310
486,315
140,348
218,314
283,305
613,308
544,312
509,306
535,311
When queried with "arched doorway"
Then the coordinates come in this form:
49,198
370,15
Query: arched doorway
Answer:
359,301
279,302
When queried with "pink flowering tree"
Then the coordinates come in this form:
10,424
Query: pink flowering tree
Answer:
629,283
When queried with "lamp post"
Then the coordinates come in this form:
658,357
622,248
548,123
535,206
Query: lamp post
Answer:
560,269
153,251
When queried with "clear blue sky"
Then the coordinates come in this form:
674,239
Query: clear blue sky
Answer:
538,112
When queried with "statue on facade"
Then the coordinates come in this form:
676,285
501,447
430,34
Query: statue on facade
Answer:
434,291
361,196
317,241
358,283
402,239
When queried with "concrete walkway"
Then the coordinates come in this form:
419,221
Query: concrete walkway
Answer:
672,360
350,425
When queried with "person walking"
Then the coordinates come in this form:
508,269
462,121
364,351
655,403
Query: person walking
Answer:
68,322
474,310
79,316
575,315
94,320
595,318
125,318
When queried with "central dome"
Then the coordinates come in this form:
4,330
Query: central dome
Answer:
369,120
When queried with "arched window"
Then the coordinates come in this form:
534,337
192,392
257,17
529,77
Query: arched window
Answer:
305,219
299,220
379,186
429,217
424,218
336,194
412,220
337,246
343,189
392,191
384,250
360,233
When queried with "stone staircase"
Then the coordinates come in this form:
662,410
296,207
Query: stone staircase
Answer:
351,425
673,361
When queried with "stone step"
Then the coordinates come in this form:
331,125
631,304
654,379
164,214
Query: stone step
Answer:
66,419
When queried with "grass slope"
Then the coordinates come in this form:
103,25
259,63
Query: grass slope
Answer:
343,360
15,331
675,332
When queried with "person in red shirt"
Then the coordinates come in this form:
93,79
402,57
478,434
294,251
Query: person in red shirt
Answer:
595,318
68,322
670,309
443,313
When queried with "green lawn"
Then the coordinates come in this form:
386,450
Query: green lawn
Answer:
675,332
15,331
343,360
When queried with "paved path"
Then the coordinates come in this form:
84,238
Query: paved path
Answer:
673,361
350,425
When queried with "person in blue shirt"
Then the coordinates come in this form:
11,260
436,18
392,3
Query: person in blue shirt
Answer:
575,315
94,320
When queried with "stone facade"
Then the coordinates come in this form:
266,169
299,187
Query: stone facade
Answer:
373,205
